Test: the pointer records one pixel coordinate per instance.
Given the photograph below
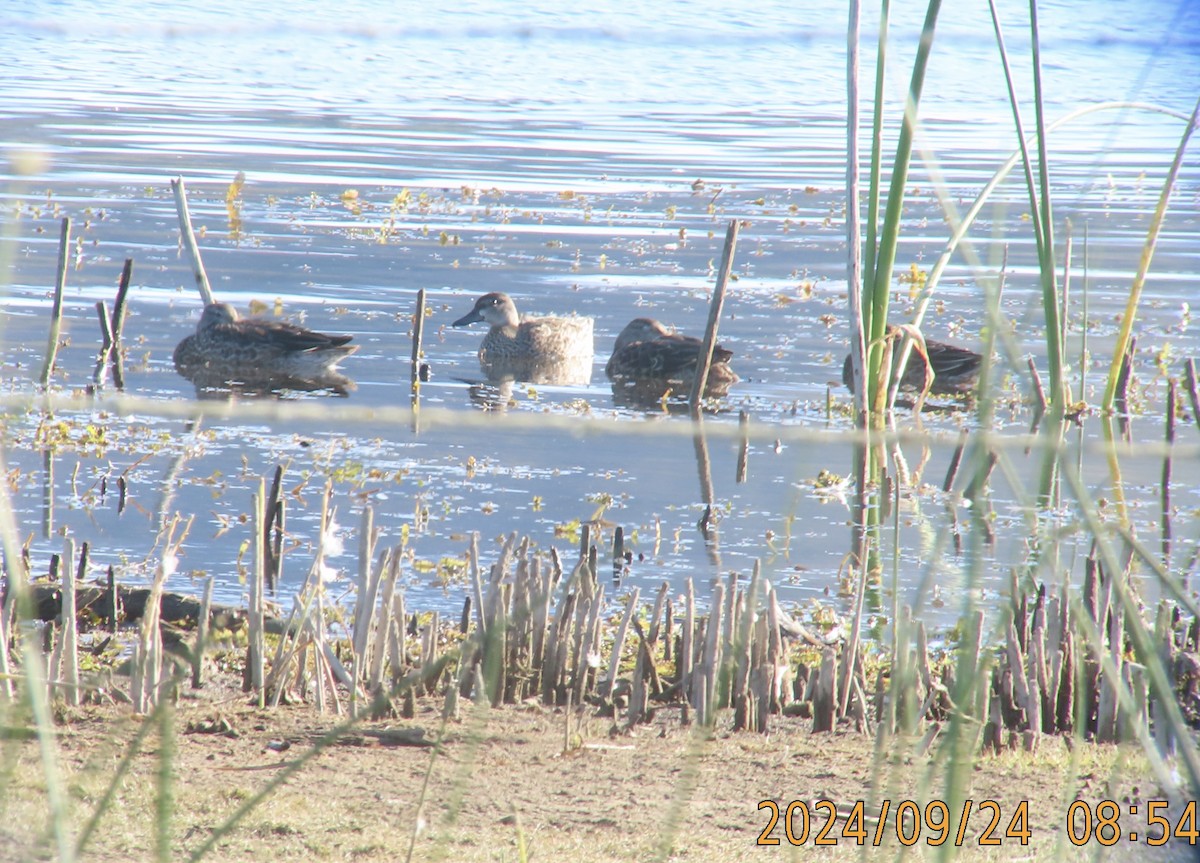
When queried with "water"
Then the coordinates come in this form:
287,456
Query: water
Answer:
550,154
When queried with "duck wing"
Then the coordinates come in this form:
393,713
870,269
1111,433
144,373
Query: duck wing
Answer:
955,369
284,337
667,356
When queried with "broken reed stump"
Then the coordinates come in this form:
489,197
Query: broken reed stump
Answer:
418,333
1058,664
110,331
420,370
106,334
119,305
118,324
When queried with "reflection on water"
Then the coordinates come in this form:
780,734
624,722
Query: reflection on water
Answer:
580,169
219,386
567,371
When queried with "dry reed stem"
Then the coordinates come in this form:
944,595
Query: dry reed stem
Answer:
714,316
60,283
188,236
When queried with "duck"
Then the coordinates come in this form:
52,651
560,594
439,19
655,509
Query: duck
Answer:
230,351
955,369
512,339
646,351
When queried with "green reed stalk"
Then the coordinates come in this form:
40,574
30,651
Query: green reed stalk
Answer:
854,245
1139,280
871,248
1043,228
1039,210
960,230
1050,300
879,276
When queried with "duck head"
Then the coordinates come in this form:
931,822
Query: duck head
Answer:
494,309
215,314
640,330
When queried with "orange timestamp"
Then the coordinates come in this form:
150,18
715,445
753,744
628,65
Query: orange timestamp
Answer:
907,820
1155,824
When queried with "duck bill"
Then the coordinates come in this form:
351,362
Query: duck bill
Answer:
469,318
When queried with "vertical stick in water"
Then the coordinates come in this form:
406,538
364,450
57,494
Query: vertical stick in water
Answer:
106,335
1166,476
955,461
189,240
47,492
60,283
714,317
118,316
744,451
417,367
118,324
618,552
106,343
418,333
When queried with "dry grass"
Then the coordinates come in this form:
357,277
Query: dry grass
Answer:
506,771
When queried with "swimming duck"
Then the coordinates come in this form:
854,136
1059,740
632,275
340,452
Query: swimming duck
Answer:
227,350
646,351
515,340
955,369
